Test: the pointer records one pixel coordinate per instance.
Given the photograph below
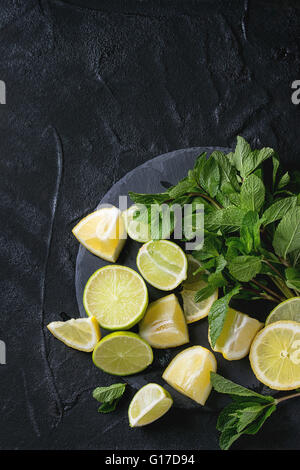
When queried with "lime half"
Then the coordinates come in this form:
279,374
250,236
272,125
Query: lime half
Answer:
122,353
117,296
150,403
288,310
162,263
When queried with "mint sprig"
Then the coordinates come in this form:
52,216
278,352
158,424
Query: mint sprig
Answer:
109,396
247,412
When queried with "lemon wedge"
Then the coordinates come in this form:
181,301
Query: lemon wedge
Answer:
80,333
103,233
237,335
189,373
164,325
275,355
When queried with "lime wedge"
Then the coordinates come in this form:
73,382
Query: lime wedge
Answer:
136,229
80,333
287,310
150,403
122,353
162,263
117,296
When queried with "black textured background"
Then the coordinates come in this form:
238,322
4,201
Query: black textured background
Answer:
90,95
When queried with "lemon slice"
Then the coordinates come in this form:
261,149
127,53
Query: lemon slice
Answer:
150,403
122,353
164,325
237,335
189,373
79,333
162,263
287,310
275,355
103,233
137,230
117,296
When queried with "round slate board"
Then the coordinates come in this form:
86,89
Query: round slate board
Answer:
153,177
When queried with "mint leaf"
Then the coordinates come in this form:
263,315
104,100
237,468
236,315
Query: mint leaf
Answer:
217,315
244,268
254,427
293,278
277,210
210,176
108,407
241,154
110,393
222,385
252,193
229,219
287,234
250,232
284,180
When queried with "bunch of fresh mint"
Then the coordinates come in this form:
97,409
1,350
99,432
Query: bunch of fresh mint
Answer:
251,244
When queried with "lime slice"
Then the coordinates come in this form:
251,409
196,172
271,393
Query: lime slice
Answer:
150,403
162,263
117,296
275,355
80,333
102,232
136,229
189,373
122,353
287,310
237,335
164,325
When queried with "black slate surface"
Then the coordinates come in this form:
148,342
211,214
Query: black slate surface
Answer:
91,95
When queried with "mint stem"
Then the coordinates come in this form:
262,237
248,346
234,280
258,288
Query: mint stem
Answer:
294,395
267,289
